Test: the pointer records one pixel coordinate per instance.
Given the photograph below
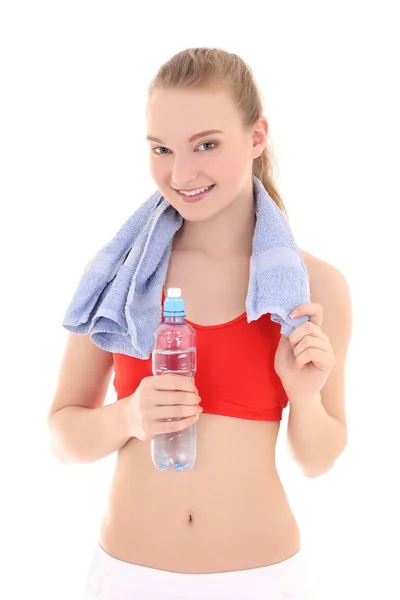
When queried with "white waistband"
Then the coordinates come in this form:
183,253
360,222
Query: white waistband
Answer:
284,573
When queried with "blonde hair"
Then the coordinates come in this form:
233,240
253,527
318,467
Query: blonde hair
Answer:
212,67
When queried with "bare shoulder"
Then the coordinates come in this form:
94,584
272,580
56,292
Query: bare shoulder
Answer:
327,282
316,266
330,289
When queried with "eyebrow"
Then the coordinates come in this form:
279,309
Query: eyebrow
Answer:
191,139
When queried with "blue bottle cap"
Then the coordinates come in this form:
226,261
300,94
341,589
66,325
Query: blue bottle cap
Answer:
174,306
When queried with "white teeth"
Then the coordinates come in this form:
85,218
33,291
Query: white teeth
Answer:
195,192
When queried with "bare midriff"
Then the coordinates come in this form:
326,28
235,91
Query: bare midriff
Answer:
229,512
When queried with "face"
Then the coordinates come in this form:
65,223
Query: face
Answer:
184,159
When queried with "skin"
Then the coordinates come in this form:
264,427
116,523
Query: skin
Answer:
231,511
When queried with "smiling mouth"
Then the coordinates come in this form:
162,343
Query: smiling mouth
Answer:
192,196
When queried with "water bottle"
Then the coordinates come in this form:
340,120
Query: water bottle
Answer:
174,352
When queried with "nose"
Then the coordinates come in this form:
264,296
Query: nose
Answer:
183,172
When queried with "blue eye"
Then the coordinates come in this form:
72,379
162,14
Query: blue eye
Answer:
160,148
207,144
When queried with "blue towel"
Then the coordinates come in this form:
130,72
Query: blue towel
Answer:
118,299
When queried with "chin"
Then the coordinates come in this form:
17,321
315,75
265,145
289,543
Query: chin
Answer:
198,212
200,217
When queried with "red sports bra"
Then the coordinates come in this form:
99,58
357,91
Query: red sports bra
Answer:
235,373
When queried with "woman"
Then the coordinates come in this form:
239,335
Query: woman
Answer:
223,528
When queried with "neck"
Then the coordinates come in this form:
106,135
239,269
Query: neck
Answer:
228,233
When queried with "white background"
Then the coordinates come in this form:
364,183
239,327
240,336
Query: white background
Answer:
74,79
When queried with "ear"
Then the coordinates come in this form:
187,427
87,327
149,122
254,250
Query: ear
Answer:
260,134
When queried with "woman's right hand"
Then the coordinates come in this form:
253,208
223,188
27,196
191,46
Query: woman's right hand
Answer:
163,397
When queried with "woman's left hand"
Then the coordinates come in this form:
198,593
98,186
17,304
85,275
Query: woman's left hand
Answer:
305,358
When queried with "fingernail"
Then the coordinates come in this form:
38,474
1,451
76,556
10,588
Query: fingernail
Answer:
294,314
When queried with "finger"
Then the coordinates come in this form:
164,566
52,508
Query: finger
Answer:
172,382
175,412
171,426
312,310
319,358
306,329
310,341
167,398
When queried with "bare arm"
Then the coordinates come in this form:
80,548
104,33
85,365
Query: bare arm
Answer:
317,429
316,439
81,428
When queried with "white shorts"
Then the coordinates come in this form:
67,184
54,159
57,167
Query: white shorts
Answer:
112,579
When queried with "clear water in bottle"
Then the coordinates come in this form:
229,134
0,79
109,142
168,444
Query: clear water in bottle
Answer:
174,352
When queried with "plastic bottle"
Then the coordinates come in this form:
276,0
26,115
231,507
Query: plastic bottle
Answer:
174,352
